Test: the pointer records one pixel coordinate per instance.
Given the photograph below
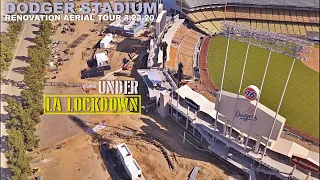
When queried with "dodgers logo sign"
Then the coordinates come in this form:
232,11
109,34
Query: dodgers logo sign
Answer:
251,92
245,116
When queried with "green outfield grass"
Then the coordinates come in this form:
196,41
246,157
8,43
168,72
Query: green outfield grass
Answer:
301,102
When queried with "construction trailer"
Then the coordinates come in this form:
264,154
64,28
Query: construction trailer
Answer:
104,43
96,72
124,153
134,170
131,166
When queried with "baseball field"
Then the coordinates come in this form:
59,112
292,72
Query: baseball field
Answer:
300,105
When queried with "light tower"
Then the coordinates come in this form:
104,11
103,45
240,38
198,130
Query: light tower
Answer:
279,43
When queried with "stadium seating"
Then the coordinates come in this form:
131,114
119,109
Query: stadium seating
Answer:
264,14
258,13
208,14
309,28
199,15
290,29
285,21
203,28
192,17
282,16
265,26
242,13
210,27
287,16
184,50
253,23
302,30
218,12
259,25
230,13
315,28
244,22
299,16
272,27
296,29
172,63
252,13
177,38
217,25
306,16
269,14
294,16
317,16
312,17
275,15
284,29
277,27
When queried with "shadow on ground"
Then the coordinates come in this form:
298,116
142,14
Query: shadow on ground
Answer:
5,173
29,39
35,32
19,70
22,58
4,146
112,162
164,131
19,84
36,25
4,97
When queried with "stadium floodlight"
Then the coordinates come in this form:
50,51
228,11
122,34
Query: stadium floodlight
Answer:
290,46
296,48
223,73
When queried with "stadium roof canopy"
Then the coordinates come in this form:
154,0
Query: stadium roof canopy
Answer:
286,3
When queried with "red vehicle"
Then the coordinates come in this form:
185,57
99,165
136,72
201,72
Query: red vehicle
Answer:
125,67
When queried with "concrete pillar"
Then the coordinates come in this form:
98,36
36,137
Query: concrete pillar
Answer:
184,137
309,174
163,108
256,147
269,176
294,168
187,118
195,115
188,109
171,103
177,99
187,123
193,131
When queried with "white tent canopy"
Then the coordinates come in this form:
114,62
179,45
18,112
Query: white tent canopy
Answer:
289,148
154,77
205,105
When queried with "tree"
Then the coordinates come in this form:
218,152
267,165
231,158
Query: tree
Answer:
24,116
18,161
6,56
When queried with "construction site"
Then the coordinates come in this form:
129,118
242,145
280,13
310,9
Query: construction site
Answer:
162,143
68,150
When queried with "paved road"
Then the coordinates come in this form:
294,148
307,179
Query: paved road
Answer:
14,75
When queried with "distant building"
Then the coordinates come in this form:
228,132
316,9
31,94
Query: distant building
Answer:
130,164
102,59
127,28
106,41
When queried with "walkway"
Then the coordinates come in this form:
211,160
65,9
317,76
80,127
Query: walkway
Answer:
14,74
